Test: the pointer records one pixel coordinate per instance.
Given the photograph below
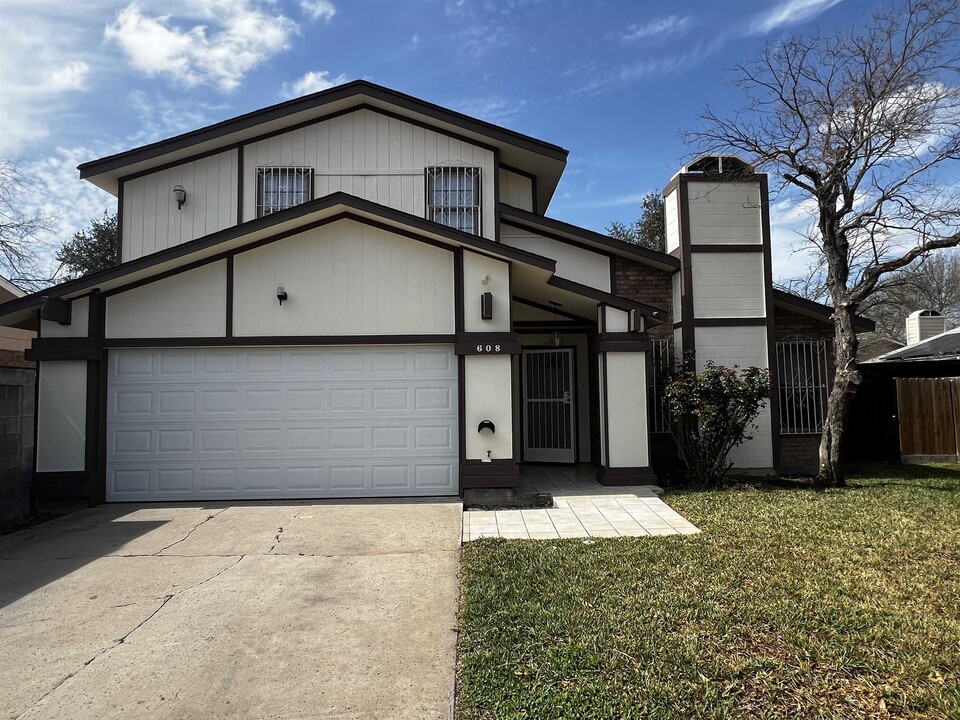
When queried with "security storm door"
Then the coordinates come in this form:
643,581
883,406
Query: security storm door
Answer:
549,423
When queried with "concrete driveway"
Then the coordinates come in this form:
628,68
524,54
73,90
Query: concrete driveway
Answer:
241,610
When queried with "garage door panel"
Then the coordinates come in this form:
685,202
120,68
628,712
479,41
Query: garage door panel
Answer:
272,422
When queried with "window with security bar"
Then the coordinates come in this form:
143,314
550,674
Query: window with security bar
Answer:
279,188
803,383
662,364
453,197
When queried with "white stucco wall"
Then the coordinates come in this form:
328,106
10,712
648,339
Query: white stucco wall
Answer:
61,415
79,322
573,263
345,278
151,220
516,190
190,304
488,395
626,378
370,155
724,212
475,267
728,284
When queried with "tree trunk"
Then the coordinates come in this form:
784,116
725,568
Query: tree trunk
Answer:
845,381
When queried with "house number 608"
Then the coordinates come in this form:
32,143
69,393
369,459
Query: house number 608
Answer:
488,348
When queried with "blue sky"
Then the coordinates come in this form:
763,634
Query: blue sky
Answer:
613,82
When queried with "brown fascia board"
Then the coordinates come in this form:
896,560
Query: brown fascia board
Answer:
606,243
301,212
340,93
818,310
610,299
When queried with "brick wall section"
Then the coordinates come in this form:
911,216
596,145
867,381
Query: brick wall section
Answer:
17,401
642,283
799,453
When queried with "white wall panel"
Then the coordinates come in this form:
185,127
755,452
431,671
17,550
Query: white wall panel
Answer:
675,287
724,212
370,155
475,267
516,190
248,423
488,395
62,416
79,321
616,321
746,347
728,284
191,304
573,263
345,278
626,379
151,220
671,211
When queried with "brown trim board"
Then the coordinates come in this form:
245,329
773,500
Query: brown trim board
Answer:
771,330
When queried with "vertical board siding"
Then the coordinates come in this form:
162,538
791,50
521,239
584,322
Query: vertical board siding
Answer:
929,411
724,212
573,263
370,155
344,278
516,190
151,220
728,285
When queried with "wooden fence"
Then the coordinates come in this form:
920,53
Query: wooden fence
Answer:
929,419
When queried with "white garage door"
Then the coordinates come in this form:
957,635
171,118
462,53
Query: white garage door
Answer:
255,423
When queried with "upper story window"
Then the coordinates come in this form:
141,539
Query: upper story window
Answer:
453,197
279,188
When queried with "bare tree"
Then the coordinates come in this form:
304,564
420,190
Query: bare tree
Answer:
22,248
864,123
931,284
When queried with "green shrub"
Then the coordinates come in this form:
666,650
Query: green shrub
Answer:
710,413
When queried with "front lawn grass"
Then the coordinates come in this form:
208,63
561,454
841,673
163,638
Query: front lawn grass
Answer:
790,604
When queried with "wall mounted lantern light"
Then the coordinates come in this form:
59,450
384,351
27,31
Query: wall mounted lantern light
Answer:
180,195
281,295
555,337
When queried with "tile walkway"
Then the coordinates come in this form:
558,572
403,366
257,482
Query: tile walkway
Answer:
584,508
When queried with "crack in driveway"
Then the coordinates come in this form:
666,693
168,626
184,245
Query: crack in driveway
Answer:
120,641
207,519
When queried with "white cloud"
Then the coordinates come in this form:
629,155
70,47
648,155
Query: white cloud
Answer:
319,9
492,108
71,76
311,82
618,201
242,37
669,25
790,12
45,58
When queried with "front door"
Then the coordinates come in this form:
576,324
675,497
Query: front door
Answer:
549,420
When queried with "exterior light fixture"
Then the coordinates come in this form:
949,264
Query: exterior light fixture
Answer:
555,337
180,195
485,280
281,295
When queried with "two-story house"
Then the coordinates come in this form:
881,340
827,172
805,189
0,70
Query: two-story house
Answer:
358,293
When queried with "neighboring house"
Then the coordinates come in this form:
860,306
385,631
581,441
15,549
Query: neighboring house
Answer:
358,293
923,381
17,395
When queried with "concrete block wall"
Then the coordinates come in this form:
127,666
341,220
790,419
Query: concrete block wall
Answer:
17,400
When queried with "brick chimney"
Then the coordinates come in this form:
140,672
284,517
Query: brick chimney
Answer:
923,324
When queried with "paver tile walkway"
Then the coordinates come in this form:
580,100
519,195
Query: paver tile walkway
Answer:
584,508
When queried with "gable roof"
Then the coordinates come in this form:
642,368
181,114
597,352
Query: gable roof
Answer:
543,159
297,219
565,232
